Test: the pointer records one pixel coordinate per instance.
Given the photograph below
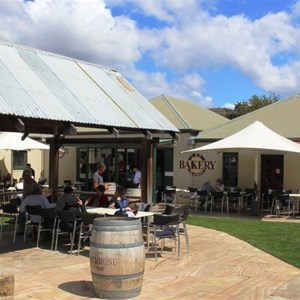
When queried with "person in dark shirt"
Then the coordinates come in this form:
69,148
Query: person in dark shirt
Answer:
101,200
28,166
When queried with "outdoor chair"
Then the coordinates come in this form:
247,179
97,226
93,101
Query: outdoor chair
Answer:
31,210
165,227
87,220
169,194
250,196
15,218
67,224
15,201
234,200
265,200
168,209
202,199
47,223
183,216
217,198
8,197
282,204
273,194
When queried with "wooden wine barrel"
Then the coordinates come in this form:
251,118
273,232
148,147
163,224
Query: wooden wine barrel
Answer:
117,257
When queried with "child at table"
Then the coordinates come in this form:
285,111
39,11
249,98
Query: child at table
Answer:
133,210
119,200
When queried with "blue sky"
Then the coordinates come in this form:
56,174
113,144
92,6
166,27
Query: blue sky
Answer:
212,52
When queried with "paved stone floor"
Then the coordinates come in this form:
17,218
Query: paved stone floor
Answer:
218,267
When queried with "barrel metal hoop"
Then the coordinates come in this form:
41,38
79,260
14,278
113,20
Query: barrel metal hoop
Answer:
115,229
113,222
128,294
118,277
117,246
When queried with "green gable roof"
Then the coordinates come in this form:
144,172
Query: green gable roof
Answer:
185,114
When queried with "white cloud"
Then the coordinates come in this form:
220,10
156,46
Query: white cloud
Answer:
153,84
187,41
81,29
208,42
164,10
229,106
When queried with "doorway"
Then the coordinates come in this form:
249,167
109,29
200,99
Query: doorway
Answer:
271,172
164,170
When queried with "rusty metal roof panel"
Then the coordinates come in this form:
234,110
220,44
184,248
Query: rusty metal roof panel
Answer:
44,85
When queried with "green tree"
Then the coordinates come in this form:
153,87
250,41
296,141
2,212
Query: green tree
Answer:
254,103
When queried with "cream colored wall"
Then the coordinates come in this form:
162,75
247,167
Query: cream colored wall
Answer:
291,179
182,177
34,157
67,166
246,172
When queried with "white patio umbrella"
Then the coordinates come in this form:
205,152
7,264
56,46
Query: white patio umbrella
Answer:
13,141
257,137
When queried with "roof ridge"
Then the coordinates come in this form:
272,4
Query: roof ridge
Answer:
49,53
175,111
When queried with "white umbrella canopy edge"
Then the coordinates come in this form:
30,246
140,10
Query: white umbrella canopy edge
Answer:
13,141
255,136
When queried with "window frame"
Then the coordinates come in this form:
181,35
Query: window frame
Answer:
22,160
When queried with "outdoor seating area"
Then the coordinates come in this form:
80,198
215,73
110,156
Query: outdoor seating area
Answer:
234,200
52,224
240,269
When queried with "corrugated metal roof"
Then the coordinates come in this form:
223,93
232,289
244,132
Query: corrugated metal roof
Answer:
43,85
185,114
282,117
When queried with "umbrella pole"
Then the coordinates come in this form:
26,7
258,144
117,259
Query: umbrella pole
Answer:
255,202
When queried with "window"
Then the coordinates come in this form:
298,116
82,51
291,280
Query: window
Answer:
116,159
230,169
19,160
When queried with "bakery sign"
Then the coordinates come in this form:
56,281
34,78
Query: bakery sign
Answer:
197,165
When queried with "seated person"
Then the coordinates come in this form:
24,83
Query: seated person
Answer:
35,198
100,200
219,187
133,210
68,201
119,200
206,186
19,187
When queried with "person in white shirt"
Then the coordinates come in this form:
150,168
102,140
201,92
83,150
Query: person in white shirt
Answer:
137,177
98,178
35,198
